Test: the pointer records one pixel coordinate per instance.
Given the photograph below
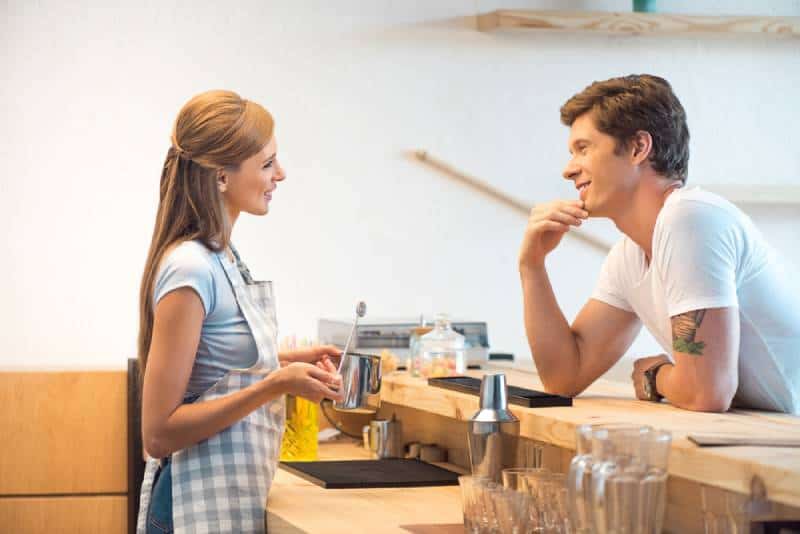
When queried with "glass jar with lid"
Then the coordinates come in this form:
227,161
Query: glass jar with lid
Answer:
413,363
441,351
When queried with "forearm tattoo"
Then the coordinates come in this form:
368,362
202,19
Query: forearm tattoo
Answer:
684,328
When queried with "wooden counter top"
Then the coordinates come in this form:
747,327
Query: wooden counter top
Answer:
296,505
731,468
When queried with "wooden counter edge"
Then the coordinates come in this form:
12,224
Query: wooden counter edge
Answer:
604,403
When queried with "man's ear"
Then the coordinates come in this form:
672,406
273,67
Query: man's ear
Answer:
222,180
641,146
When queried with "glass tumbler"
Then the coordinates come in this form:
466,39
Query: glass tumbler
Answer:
629,478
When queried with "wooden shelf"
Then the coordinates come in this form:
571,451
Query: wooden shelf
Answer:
757,194
639,23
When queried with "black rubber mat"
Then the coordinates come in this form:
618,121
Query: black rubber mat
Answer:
529,398
390,473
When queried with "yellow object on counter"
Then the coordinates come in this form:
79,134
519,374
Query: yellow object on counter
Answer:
300,439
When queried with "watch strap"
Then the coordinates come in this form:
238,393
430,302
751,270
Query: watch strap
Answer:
650,375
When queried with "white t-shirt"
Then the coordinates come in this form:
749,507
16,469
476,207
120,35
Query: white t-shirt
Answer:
708,254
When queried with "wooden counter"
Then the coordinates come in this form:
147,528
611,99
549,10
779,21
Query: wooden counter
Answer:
435,415
730,468
296,506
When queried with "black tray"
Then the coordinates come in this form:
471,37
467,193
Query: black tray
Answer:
388,473
529,398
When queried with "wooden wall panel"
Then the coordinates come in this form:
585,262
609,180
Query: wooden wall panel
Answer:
63,432
67,515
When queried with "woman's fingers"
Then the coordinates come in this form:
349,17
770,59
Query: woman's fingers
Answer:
325,376
327,365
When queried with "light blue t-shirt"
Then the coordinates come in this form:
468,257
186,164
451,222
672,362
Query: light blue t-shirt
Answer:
226,341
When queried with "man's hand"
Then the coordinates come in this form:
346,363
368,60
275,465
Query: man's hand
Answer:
547,224
639,367
312,355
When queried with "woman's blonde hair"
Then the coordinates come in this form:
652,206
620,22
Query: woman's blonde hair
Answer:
214,130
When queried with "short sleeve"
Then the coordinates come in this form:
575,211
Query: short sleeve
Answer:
609,287
187,265
695,252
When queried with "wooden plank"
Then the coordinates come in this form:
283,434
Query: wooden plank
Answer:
638,23
63,432
64,515
730,468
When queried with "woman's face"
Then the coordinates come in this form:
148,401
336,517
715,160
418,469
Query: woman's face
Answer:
249,188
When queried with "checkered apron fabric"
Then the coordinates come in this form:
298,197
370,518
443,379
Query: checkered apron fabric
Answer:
221,484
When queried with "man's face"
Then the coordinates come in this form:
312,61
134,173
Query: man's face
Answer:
604,179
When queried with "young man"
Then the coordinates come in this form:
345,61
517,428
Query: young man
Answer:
691,266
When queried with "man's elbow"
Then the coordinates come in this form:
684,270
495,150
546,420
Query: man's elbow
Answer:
716,401
565,389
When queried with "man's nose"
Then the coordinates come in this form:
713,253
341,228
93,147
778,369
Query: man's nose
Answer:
571,171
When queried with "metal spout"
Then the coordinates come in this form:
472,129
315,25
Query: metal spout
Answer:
494,401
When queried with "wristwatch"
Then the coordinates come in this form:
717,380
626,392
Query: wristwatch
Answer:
649,384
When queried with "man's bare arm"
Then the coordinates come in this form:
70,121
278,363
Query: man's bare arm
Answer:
705,347
569,358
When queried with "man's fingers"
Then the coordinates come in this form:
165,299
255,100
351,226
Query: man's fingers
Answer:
554,226
565,218
576,211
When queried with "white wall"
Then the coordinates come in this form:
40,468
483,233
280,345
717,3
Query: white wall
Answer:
90,91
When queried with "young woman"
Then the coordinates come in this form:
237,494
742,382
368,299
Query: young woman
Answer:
213,386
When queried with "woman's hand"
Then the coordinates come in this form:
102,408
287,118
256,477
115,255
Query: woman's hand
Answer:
313,355
309,381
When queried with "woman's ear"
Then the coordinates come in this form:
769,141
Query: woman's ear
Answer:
642,144
222,180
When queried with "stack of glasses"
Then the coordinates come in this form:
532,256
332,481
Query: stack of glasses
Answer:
617,482
530,500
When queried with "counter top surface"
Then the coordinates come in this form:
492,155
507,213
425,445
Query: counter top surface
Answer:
731,468
296,505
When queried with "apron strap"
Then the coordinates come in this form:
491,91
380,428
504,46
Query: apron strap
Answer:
246,276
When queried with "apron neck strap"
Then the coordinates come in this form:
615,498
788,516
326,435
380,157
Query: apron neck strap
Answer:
245,272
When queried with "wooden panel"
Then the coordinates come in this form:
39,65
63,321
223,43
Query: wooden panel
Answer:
67,515
731,468
63,432
610,22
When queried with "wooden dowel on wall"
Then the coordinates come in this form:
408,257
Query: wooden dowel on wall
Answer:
518,206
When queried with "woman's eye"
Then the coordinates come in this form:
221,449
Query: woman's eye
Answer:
268,165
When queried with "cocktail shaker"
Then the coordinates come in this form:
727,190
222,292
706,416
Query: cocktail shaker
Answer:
493,430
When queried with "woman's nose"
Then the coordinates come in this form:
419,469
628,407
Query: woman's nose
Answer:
279,175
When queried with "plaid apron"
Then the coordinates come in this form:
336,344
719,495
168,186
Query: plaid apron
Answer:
221,484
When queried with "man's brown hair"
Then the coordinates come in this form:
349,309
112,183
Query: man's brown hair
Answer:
623,106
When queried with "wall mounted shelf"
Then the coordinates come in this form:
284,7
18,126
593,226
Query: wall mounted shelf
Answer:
776,195
639,23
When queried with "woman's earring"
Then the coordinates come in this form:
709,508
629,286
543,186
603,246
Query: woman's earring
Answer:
222,182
